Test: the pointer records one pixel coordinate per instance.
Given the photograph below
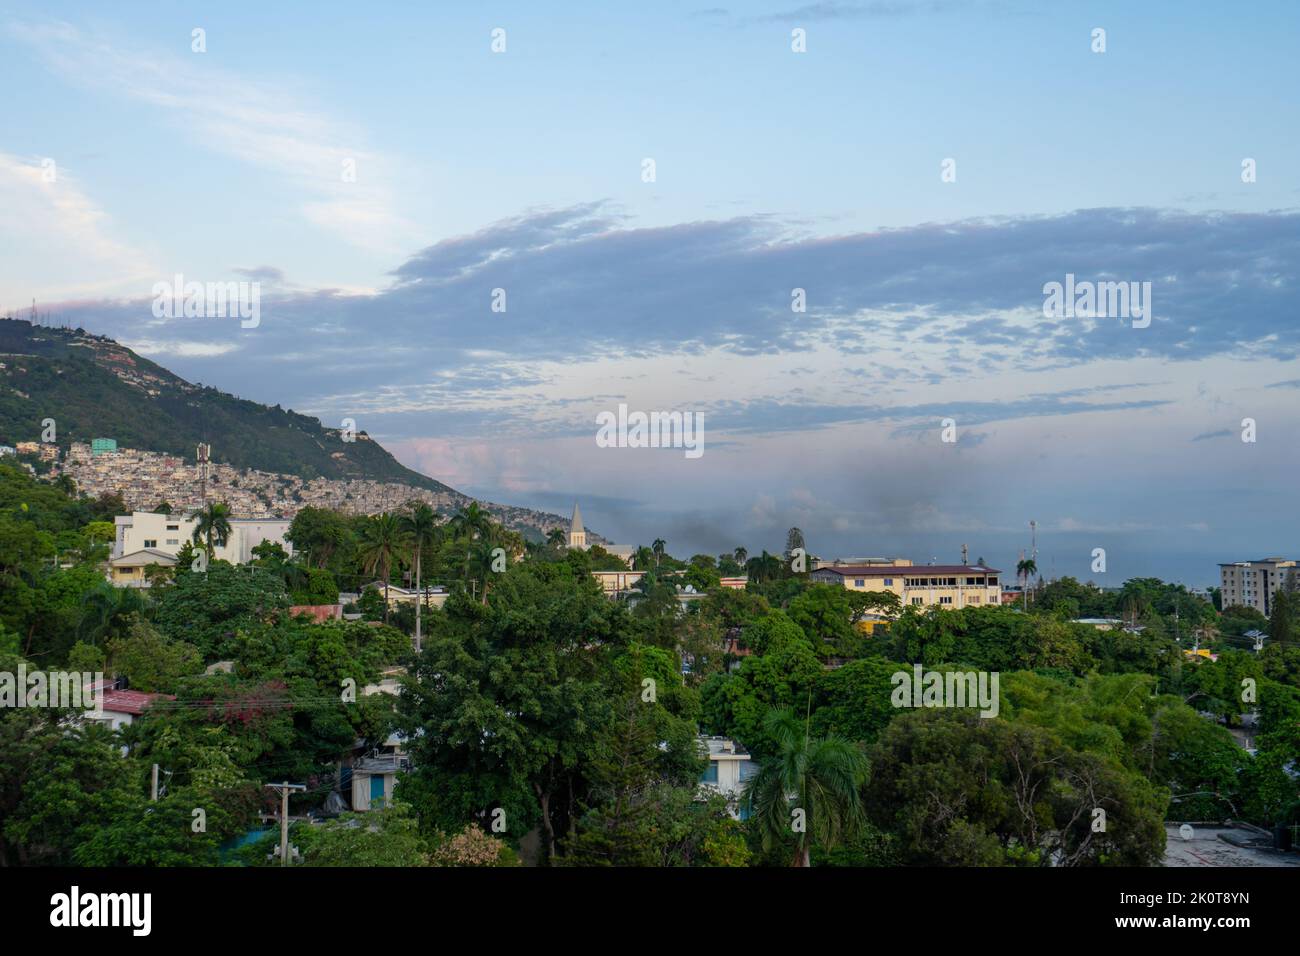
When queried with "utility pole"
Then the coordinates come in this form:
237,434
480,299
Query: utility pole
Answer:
203,454
284,789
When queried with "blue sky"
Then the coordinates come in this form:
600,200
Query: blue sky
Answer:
774,170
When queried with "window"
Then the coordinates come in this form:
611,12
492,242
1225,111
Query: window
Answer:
970,580
859,583
974,599
173,540
945,600
173,527
151,542
889,582
710,775
916,601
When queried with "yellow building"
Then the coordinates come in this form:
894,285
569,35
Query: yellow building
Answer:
949,586
129,570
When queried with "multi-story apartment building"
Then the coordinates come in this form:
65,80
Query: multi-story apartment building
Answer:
919,585
148,531
1253,583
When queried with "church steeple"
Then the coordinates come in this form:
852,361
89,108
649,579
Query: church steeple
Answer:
577,533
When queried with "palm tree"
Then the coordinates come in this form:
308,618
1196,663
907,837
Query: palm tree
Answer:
473,521
659,546
213,526
478,565
740,554
557,538
819,776
767,567
422,525
105,610
383,544
1026,568
643,558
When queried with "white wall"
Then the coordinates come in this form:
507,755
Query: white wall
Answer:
170,532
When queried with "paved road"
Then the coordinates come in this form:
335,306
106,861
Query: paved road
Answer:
1206,849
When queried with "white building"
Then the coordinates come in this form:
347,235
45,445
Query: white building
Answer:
729,768
147,531
577,539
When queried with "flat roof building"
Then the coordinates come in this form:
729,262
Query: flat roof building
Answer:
1253,583
920,585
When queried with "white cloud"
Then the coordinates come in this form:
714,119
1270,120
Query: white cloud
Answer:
253,121
60,231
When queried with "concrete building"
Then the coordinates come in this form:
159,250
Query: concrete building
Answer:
1253,583
919,585
146,530
103,446
373,779
729,768
616,583
434,597
128,570
120,708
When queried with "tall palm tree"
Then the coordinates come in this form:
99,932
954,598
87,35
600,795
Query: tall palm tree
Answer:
659,546
740,554
1026,568
820,776
557,538
643,558
213,526
473,521
383,544
105,611
478,565
422,525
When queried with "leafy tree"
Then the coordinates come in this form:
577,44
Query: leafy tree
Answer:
853,701
472,847
151,661
1282,622
783,676
208,609
318,533
956,789
386,837
508,696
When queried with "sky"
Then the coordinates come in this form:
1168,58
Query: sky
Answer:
920,170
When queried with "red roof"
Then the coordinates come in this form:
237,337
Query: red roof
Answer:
130,701
318,612
906,570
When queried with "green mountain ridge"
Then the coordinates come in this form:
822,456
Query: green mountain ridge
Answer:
93,387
